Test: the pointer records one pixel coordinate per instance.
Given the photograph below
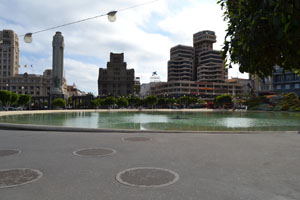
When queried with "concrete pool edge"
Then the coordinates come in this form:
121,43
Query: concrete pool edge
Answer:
31,127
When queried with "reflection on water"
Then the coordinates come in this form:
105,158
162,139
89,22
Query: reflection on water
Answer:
195,121
235,122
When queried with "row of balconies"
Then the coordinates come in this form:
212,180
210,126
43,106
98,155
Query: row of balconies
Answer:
180,68
215,69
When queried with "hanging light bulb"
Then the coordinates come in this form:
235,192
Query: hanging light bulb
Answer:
28,38
112,16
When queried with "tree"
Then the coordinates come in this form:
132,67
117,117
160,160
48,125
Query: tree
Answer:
162,101
185,100
133,101
151,100
262,34
7,98
59,102
193,100
223,99
97,102
109,101
171,102
24,99
122,102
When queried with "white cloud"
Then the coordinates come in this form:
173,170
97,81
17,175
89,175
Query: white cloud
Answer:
74,70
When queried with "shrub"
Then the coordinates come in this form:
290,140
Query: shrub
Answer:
290,101
255,101
223,99
122,102
59,102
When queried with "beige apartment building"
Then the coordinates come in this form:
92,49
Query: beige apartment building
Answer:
180,65
211,67
208,63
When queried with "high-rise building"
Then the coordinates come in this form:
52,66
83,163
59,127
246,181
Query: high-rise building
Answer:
211,67
116,79
202,41
9,53
208,63
198,71
180,65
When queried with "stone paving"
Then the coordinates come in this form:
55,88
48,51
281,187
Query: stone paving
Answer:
168,166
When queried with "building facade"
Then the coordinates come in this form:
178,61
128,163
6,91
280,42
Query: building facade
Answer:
198,71
285,82
10,79
244,83
203,90
180,65
202,41
116,79
72,90
9,53
211,67
279,82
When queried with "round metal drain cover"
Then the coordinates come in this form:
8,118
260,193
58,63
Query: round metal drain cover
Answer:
137,139
94,152
9,152
147,177
17,177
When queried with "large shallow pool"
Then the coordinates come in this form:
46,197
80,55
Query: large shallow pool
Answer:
183,121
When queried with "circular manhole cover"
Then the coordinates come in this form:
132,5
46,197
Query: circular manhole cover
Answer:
137,139
17,177
94,152
9,152
147,177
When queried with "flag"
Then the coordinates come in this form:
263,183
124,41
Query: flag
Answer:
25,66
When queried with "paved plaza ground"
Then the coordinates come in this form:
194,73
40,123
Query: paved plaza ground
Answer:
262,166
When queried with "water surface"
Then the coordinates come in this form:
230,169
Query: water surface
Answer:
189,121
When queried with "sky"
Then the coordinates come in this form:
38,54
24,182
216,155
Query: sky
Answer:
144,34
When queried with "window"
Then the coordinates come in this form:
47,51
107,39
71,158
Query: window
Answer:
278,87
297,86
287,86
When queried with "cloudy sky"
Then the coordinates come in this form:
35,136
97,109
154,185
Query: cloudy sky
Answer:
145,34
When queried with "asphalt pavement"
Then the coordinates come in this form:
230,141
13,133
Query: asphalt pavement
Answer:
220,166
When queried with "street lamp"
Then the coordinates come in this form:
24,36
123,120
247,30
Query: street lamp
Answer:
28,37
112,16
